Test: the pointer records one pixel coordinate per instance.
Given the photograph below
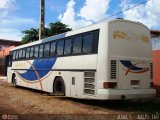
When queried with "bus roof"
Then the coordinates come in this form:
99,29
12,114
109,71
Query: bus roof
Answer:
74,32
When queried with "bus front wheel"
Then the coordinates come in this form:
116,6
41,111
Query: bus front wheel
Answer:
58,87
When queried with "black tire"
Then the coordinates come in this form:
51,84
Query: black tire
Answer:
14,80
58,87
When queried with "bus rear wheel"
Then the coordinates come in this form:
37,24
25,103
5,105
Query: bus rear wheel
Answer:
14,80
59,87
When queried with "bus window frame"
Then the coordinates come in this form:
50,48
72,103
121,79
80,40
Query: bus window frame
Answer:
59,40
44,49
91,45
71,49
55,51
14,58
94,50
32,52
81,35
23,55
38,45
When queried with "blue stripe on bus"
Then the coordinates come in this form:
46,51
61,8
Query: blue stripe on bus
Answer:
45,64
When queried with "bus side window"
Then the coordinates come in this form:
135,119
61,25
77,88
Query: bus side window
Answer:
41,50
36,50
68,46
20,54
77,45
9,59
60,46
24,53
14,55
53,49
87,43
27,52
95,41
46,49
31,52
17,53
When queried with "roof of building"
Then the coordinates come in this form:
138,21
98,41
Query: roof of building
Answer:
6,40
155,33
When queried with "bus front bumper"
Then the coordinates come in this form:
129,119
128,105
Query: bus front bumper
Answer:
116,94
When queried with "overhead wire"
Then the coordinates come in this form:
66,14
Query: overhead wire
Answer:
123,11
117,13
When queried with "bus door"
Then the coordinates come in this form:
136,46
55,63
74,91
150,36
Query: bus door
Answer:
133,75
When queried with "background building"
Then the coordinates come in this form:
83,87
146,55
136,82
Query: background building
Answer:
156,58
5,47
8,43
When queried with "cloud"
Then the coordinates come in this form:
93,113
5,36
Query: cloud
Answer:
94,10
90,12
16,22
69,17
10,34
10,26
6,6
148,14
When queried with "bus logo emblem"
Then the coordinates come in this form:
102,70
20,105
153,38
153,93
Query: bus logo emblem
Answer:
132,68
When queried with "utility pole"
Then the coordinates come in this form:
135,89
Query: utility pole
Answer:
42,20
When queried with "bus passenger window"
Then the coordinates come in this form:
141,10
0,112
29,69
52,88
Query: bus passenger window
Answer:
60,47
20,54
41,51
87,43
10,58
31,52
46,49
24,53
53,49
14,55
36,49
27,52
68,46
17,54
77,44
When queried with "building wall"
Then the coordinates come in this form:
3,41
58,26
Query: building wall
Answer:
5,47
156,70
8,43
3,53
156,59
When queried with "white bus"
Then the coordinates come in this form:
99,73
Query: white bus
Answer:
108,60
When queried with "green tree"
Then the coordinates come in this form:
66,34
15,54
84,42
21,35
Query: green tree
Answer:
30,36
53,29
57,28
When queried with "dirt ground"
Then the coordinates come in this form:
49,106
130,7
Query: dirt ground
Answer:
26,104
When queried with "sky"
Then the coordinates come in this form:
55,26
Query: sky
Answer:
19,15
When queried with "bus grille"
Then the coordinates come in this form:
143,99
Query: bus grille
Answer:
113,69
151,71
89,83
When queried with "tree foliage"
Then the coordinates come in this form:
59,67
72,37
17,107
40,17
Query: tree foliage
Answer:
53,29
30,35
